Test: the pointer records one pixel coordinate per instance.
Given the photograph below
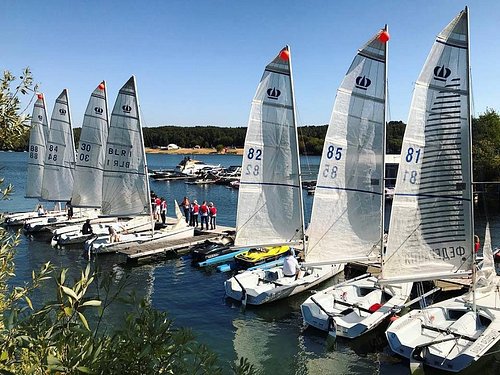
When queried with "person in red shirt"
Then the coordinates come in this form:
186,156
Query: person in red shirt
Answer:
204,214
194,214
157,208
163,210
213,215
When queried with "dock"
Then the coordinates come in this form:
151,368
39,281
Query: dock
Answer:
135,252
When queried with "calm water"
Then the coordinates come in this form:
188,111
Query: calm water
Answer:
270,336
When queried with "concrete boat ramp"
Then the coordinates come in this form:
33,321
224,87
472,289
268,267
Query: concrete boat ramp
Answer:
135,252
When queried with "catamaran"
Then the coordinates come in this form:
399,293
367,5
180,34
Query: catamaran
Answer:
348,211
270,209
125,186
433,230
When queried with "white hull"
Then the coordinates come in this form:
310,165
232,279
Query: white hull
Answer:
264,286
73,235
447,335
45,223
20,218
103,245
353,308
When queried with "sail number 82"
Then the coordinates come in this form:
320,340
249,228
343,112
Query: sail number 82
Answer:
253,154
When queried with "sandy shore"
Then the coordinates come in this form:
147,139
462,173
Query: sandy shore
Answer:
194,151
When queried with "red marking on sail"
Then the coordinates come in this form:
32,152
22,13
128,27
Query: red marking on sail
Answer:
39,96
284,55
101,86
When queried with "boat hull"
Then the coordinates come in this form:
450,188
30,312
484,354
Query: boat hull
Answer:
101,245
352,308
258,287
447,335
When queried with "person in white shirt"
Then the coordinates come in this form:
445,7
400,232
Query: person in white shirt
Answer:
291,266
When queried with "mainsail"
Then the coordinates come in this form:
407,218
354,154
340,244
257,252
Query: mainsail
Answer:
348,200
125,187
270,197
36,157
57,185
87,191
431,222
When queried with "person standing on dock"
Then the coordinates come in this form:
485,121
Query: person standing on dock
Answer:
194,214
157,208
186,207
69,207
212,210
204,214
163,210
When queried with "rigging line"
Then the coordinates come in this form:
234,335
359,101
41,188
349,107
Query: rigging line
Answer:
473,109
300,134
388,105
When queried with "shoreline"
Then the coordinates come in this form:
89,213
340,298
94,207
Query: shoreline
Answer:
195,151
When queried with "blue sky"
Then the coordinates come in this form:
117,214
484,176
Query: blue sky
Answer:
199,62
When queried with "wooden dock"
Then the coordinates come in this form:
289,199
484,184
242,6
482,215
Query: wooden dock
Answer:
135,252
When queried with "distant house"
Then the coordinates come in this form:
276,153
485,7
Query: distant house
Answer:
172,146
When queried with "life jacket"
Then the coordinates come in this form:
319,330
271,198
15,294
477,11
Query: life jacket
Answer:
157,201
213,211
164,205
204,209
196,208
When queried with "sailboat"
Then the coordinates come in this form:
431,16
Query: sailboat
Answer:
59,165
88,186
270,210
39,133
125,185
87,190
348,211
433,216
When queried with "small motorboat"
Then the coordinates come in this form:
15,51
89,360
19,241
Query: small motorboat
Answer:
211,249
259,255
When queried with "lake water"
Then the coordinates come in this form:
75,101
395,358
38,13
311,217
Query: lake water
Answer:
271,337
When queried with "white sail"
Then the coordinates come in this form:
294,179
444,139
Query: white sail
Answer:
36,153
270,200
486,276
125,185
87,191
59,166
347,209
431,226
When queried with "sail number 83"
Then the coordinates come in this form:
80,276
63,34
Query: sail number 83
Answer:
253,154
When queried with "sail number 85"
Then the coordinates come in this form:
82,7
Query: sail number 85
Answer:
332,152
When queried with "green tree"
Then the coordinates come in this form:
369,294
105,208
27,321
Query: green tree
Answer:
14,121
486,146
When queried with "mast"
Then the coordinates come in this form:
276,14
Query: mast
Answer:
384,150
469,119
141,134
301,203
